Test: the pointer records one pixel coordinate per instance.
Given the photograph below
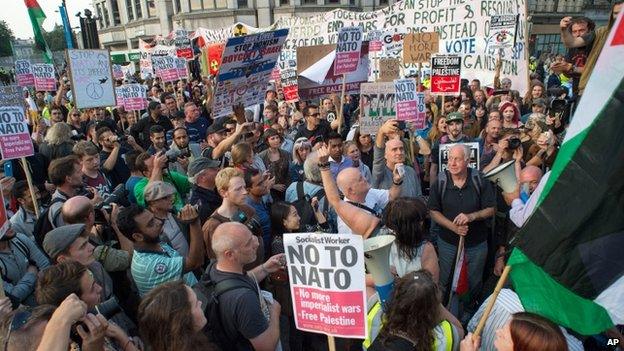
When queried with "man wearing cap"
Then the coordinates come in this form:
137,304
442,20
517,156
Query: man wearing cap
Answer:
218,140
141,130
202,172
538,106
159,200
454,128
153,261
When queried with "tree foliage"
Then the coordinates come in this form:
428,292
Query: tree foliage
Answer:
6,37
55,38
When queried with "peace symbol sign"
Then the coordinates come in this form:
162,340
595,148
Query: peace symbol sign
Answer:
94,91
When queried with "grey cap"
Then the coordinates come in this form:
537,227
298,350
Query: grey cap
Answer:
157,190
201,163
539,102
59,239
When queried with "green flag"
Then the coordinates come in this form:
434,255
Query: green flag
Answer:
36,19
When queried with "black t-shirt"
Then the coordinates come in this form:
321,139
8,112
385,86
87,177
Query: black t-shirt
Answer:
314,136
207,152
463,200
578,57
120,172
241,315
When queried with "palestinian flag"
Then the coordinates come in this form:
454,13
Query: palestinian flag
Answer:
568,264
36,19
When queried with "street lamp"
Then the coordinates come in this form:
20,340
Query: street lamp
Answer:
89,30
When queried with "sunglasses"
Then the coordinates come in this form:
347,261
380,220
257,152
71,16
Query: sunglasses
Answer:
314,115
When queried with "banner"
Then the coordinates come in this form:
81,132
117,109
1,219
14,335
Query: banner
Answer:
406,100
326,273
165,67
182,68
15,141
348,50
183,45
503,33
91,78
145,62
443,156
290,86
133,97
445,74
246,69
45,80
378,105
418,47
23,73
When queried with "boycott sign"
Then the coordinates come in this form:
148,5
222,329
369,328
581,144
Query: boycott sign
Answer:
183,45
15,139
165,67
348,50
133,97
406,100
44,77
246,69
443,155
290,88
91,77
23,73
181,67
378,103
418,47
445,74
326,273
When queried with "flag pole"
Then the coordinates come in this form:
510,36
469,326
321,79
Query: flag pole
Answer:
30,185
490,305
460,248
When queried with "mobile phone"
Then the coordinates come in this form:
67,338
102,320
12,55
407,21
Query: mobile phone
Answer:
8,169
401,125
400,168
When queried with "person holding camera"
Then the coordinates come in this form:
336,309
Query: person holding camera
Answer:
112,154
159,200
183,150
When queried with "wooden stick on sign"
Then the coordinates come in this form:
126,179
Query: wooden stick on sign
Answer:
342,94
31,187
331,343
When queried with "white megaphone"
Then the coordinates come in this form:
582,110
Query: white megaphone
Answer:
376,256
505,176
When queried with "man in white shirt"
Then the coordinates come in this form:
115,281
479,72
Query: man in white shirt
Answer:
526,198
357,190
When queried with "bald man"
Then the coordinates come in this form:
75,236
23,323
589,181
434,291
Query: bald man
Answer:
357,191
79,209
389,154
241,313
531,184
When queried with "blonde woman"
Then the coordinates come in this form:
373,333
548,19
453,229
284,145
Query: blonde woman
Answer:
57,142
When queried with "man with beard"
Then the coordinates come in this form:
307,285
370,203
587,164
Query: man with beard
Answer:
454,128
112,155
154,262
157,139
188,150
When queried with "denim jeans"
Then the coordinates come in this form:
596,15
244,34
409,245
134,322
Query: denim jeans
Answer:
475,256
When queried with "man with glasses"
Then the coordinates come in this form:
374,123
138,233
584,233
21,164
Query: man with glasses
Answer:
222,134
315,129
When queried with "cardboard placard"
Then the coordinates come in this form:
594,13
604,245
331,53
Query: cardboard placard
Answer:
309,55
23,73
418,47
326,273
378,105
15,141
445,74
91,78
348,50
389,69
45,79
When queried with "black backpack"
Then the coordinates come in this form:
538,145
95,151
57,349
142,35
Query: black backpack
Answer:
45,222
209,291
303,206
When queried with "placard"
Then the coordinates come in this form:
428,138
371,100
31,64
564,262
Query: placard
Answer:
133,97
182,68
418,47
246,69
378,105
119,96
443,155
503,31
374,40
183,45
15,141
23,73
421,112
290,86
406,100
91,78
45,79
117,72
445,74
389,69
165,67
145,62
348,50
326,273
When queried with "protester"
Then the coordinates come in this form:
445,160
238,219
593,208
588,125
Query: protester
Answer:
141,130
159,200
301,149
454,129
202,172
23,221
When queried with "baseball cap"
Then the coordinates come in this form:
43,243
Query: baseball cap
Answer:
218,126
158,190
454,116
59,239
201,163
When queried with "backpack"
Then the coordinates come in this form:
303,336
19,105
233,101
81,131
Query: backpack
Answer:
210,291
303,206
475,179
45,222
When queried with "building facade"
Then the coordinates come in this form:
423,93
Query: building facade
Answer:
121,23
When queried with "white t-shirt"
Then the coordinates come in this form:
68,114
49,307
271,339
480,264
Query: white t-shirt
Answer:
376,200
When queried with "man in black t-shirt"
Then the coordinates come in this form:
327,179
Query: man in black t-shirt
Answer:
314,129
141,130
578,27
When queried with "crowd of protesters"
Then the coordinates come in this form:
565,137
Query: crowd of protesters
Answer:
137,210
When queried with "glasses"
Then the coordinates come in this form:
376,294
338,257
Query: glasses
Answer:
314,115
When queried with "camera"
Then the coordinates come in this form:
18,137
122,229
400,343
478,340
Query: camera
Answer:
513,143
115,196
173,154
83,191
108,309
122,138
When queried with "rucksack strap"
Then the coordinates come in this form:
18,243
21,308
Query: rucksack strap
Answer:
364,207
226,285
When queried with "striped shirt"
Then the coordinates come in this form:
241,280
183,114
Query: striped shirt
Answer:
507,303
152,268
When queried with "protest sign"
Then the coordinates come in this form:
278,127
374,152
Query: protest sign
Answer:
290,87
503,32
15,141
183,45
165,67
309,55
389,69
128,70
44,77
117,72
182,68
4,227
443,155
246,69
378,105
445,74
374,40
133,97
348,50
421,112
91,78
119,96
145,61
406,100
418,47
326,273
12,95
23,73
